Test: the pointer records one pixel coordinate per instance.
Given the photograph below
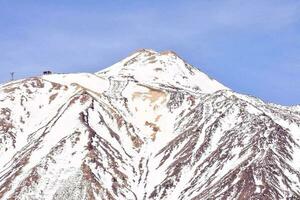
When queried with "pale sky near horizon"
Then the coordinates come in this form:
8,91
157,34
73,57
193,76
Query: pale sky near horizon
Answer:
253,47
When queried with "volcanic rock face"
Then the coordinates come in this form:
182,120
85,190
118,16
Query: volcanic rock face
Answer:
149,127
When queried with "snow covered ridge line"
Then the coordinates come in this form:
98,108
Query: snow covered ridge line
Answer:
148,127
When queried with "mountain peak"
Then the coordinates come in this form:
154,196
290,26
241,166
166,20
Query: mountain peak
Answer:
169,52
162,68
145,50
148,52
142,130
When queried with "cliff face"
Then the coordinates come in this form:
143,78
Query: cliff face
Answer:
149,127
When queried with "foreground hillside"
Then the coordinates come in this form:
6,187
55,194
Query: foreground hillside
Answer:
149,127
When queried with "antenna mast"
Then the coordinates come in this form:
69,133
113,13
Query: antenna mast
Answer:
12,75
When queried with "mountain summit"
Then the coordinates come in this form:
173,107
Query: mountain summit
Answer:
166,68
149,127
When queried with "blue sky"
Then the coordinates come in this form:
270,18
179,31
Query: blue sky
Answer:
252,46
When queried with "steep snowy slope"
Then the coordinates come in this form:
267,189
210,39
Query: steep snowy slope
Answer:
148,127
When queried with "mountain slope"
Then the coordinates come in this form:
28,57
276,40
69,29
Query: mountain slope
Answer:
149,127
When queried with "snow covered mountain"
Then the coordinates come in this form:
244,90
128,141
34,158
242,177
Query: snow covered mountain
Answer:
149,127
